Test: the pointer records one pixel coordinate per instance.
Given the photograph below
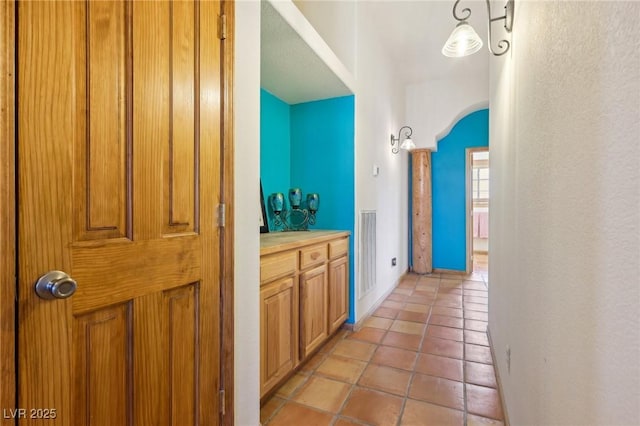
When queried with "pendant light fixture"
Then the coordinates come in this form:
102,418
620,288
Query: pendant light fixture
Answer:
464,40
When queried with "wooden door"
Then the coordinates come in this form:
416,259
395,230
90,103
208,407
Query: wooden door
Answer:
313,309
119,111
277,332
338,292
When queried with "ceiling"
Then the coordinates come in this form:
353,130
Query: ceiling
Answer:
415,31
411,33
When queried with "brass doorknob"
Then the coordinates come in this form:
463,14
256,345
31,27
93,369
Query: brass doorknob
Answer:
55,285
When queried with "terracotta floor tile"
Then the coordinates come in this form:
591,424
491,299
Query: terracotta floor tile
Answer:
346,422
440,366
413,316
407,327
476,293
406,291
385,379
443,310
314,362
447,294
354,349
344,369
451,291
373,407
368,334
407,284
437,390
402,340
397,297
450,282
484,402
425,292
475,325
291,385
421,299
480,374
394,357
391,304
444,332
473,420
446,321
385,313
295,414
377,322
422,413
327,347
324,394
442,347
267,410
476,307
415,307
478,353
473,285
476,338
478,300
447,303
429,281
475,315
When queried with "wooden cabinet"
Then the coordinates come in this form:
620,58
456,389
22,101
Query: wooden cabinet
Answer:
277,331
338,293
304,298
314,328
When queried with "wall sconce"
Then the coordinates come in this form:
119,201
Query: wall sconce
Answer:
464,41
407,143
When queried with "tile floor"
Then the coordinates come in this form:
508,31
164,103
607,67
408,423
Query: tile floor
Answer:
422,358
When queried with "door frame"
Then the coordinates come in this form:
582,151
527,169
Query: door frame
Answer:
468,164
8,234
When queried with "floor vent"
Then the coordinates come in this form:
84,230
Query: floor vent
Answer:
367,252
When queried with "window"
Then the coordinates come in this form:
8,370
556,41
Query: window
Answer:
480,182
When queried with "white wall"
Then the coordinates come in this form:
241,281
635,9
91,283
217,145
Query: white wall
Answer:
435,106
247,244
565,213
380,112
335,22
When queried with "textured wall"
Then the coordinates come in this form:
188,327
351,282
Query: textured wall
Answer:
565,213
449,189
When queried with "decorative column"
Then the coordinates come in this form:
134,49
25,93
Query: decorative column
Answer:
421,213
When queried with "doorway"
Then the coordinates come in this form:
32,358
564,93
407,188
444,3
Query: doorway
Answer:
477,167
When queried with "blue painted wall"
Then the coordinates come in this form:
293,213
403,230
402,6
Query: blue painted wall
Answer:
311,146
275,144
322,161
448,189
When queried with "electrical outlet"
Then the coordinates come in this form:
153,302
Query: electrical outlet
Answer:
508,351
393,261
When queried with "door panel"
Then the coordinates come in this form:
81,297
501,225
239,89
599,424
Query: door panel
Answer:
119,180
314,327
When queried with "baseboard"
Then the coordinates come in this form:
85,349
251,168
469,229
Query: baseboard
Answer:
358,324
498,379
449,271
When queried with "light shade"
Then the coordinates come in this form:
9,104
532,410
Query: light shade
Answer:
408,144
463,41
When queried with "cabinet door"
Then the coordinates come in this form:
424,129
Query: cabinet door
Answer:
338,292
277,332
313,309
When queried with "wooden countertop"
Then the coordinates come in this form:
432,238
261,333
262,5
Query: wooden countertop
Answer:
274,242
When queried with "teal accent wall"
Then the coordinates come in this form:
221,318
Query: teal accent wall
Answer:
275,146
322,161
448,189
311,146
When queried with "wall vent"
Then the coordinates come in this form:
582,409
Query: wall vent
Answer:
367,252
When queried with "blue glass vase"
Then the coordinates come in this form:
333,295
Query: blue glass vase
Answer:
313,202
295,197
277,202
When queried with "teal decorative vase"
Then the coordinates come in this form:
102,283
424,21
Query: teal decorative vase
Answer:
295,197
